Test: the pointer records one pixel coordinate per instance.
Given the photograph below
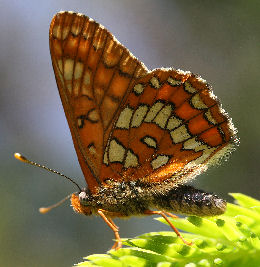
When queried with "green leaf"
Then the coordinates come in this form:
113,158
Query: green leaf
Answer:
245,201
231,239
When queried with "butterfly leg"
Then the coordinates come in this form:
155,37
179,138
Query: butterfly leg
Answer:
163,214
115,229
171,215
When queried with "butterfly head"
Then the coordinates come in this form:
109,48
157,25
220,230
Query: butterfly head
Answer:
81,202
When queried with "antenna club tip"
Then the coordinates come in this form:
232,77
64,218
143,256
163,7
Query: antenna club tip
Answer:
44,210
20,157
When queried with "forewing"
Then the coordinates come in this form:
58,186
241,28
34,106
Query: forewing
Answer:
94,74
171,126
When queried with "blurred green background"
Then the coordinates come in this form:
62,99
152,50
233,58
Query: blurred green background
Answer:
217,39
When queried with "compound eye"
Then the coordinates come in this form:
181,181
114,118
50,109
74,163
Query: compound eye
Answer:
82,196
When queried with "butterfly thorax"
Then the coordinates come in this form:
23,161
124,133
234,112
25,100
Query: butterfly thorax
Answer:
124,199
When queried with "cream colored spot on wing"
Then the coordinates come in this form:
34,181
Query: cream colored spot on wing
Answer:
160,161
189,88
173,123
198,146
76,28
197,102
65,32
209,117
79,122
223,153
163,116
131,160
56,31
124,119
116,152
68,69
193,144
86,83
150,142
93,115
99,37
128,65
155,82
78,70
86,32
112,53
139,116
92,150
180,134
153,111
173,82
112,45
206,153
138,89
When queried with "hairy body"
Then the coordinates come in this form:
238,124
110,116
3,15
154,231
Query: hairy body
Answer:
124,199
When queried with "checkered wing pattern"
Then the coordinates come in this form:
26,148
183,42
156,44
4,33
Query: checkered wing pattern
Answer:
128,123
171,126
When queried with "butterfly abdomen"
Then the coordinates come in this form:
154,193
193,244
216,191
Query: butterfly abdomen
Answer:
187,200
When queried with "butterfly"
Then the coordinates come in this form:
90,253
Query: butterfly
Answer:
139,135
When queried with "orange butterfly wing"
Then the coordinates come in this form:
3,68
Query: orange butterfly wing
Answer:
94,74
128,123
171,126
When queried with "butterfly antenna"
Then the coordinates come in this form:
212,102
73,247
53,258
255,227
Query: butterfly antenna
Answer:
24,159
47,209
